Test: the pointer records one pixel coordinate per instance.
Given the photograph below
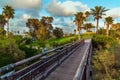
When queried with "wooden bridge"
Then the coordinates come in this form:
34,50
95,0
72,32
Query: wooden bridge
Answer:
69,62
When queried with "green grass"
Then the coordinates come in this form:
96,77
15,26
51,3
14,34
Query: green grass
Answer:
58,41
63,39
87,35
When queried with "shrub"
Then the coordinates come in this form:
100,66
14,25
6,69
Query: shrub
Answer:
106,63
102,41
9,52
102,31
29,50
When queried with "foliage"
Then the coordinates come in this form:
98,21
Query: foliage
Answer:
102,31
42,34
8,12
54,42
102,41
29,50
109,21
88,26
40,29
79,18
97,13
58,32
31,47
106,63
115,26
1,31
2,21
115,33
87,35
103,62
17,38
9,52
33,25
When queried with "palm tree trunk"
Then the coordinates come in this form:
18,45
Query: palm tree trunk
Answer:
97,26
79,35
7,31
107,30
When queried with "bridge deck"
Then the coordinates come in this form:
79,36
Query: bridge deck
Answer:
68,69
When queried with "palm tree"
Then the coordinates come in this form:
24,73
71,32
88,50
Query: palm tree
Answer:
8,13
97,12
87,14
109,21
79,18
88,26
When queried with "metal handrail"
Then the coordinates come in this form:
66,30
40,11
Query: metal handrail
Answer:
9,67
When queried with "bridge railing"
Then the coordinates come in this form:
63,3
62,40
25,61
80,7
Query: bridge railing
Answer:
9,67
42,68
83,71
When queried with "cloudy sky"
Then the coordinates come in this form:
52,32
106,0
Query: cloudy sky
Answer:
61,10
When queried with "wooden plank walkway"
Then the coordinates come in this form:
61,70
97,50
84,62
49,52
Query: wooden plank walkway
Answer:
68,69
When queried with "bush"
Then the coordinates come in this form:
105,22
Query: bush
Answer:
106,63
102,31
102,41
29,50
9,52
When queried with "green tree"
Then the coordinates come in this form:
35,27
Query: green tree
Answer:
109,21
58,32
42,33
97,12
47,23
79,18
8,12
40,29
33,25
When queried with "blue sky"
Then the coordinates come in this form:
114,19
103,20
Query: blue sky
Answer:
61,10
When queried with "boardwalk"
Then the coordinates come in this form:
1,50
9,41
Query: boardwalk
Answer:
69,62
67,70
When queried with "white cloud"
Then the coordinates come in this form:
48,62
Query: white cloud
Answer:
20,4
27,4
66,23
19,23
66,8
25,17
115,12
